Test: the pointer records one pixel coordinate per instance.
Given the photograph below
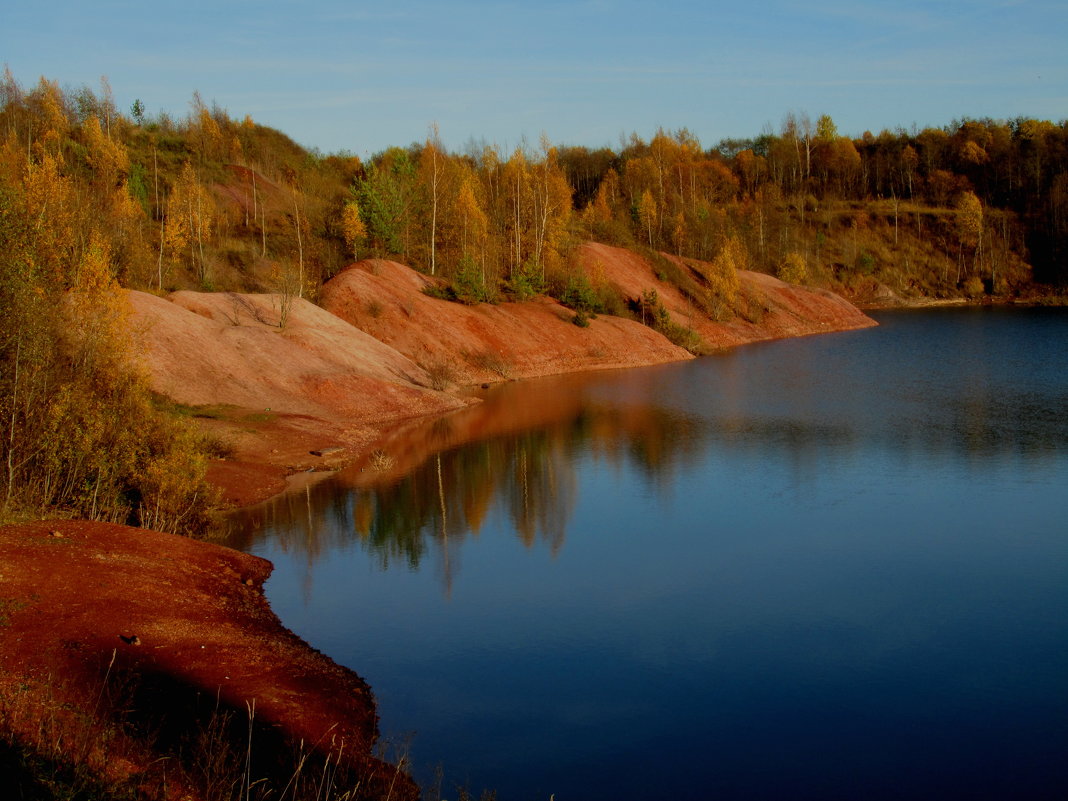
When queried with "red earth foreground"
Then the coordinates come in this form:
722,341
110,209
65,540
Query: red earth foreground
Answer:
147,657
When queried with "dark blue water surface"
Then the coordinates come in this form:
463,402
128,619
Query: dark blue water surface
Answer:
826,568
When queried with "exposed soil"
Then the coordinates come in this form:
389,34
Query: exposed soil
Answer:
485,343
123,647
285,392
381,352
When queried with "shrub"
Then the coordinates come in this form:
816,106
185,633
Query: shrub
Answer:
490,361
685,337
380,461
656,316
469,285
973,287
442,374
440,292
528,281
610,301
793,269
578,294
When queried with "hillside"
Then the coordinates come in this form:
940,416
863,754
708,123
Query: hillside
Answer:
382,350
468,344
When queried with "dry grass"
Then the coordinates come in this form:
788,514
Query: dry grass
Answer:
442,373
490,361
380,461
50,749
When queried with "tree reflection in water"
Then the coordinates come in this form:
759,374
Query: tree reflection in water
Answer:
529,476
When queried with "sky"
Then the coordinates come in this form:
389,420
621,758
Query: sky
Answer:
360,77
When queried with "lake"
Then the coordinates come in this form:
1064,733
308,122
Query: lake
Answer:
833,567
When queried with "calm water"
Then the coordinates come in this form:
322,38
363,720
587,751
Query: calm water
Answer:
834,567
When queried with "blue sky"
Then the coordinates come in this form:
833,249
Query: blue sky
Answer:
363,76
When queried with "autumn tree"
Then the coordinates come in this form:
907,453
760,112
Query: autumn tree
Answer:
551,207
469,232
431,180
723,283
54,209
473,222
793,269
969,212
80,433
515,194
189,221
647,214
352,227
751,168
603,217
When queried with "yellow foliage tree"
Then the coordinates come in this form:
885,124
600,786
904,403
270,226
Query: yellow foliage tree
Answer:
99,339
722,278
515,199
793,269
551,195
473,220
352,227
52,204
48,100
678,232
432,178
189,221
647,214
969,226
106,157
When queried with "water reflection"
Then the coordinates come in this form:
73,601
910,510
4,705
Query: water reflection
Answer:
956,394
530,475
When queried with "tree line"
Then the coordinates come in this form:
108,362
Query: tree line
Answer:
207,201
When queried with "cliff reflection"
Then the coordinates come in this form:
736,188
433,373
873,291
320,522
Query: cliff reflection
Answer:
912,393
528,477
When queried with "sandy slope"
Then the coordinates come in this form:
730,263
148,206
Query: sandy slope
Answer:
276,395
485,342
785,310
342,375
229,349
523,340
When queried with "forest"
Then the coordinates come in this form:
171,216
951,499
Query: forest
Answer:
94,198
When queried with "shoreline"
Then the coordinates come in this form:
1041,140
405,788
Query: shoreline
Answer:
292,473
241,478
128,658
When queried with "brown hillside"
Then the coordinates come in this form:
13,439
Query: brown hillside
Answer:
275,395
776,309
485,342
229,349
382,351
522,340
